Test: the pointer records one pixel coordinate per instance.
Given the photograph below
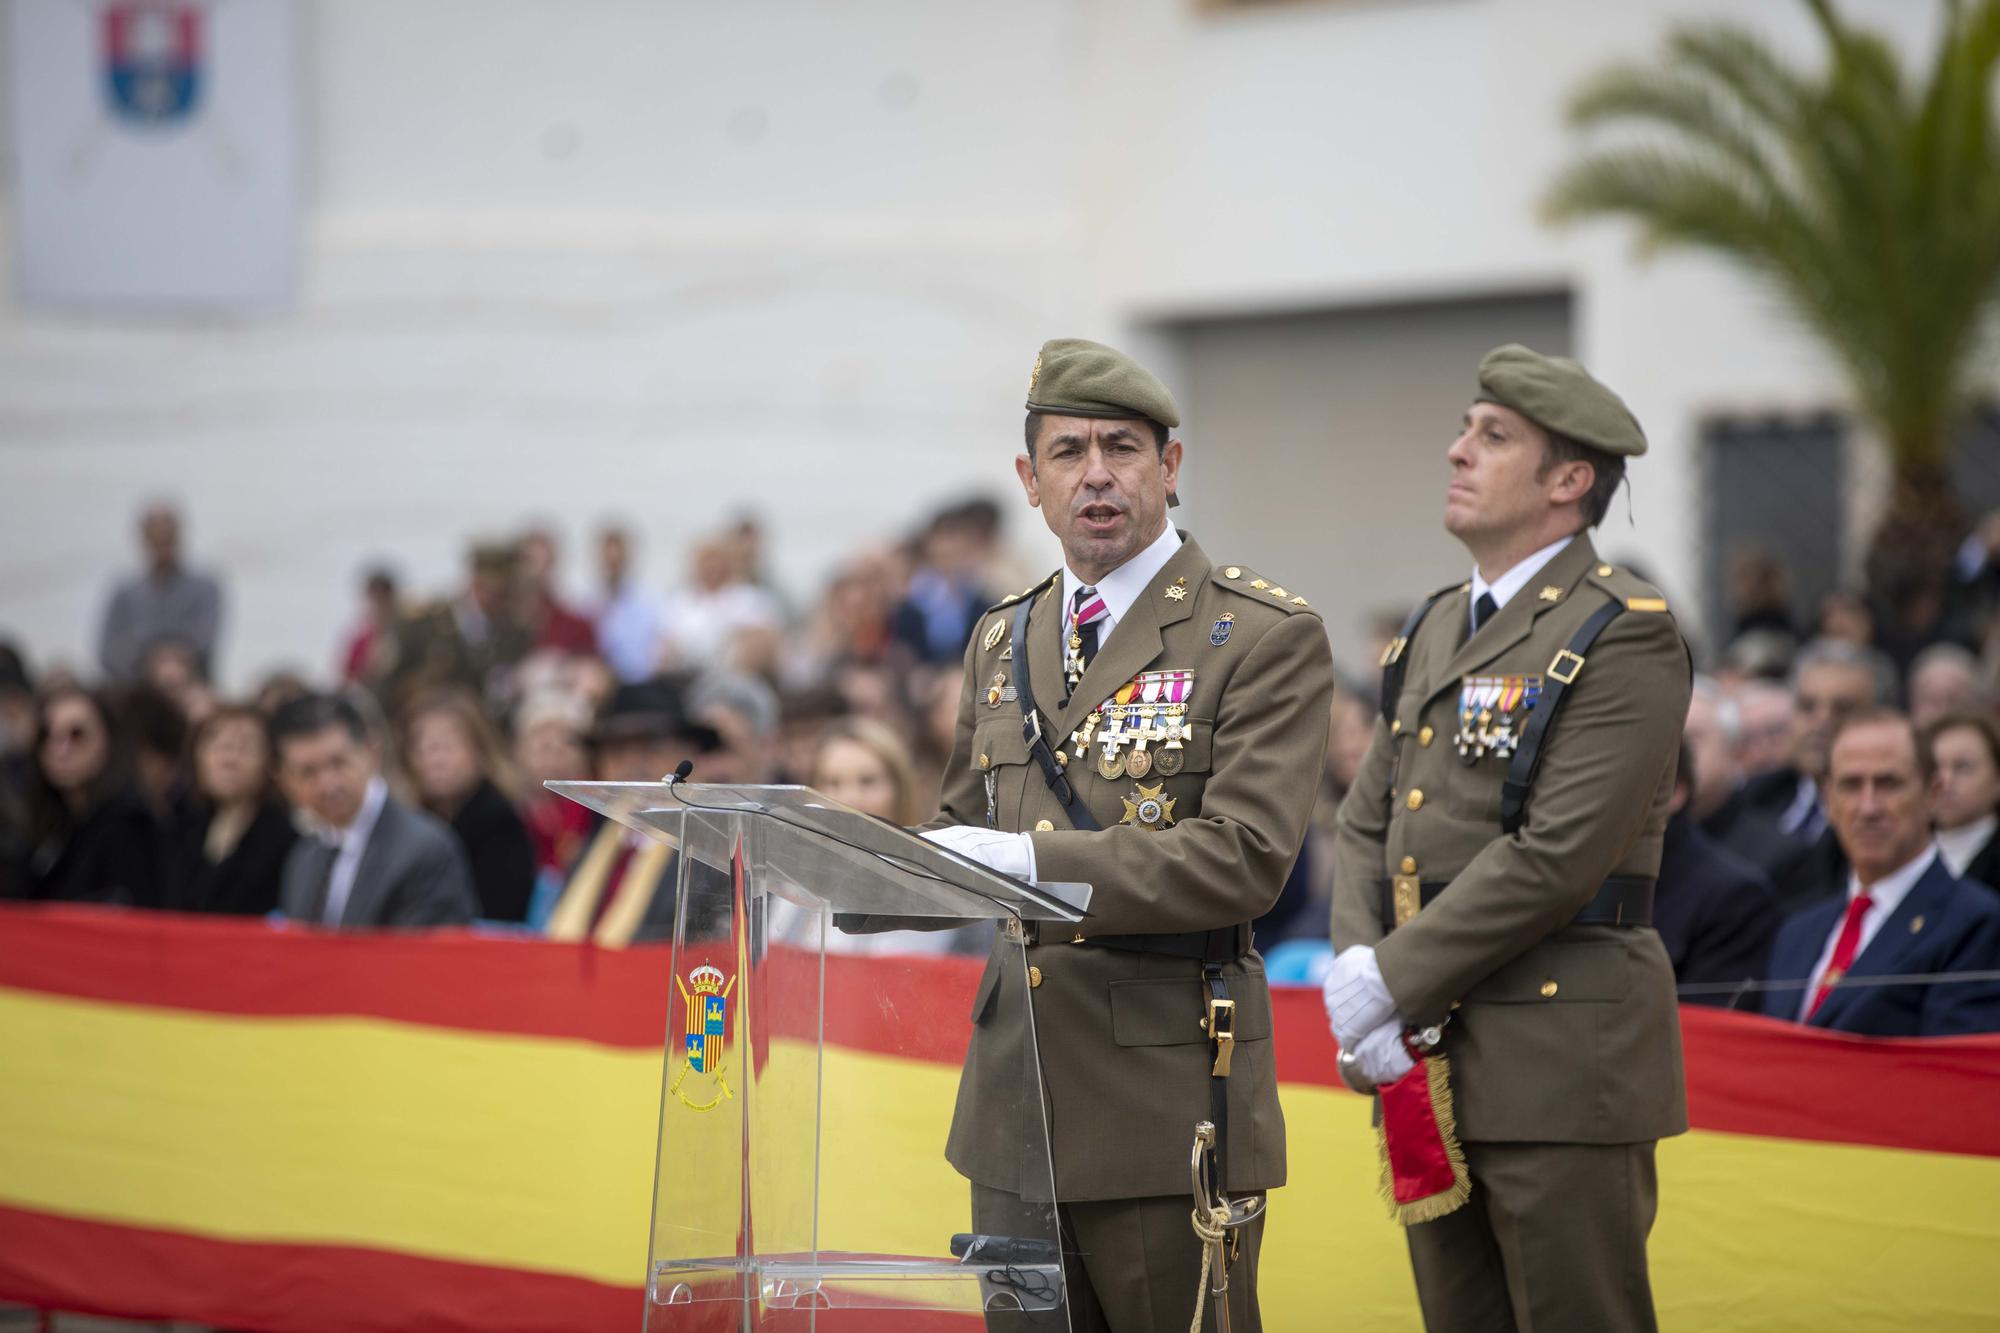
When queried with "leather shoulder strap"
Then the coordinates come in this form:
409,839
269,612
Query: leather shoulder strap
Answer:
1395,658
1562,674
1031,730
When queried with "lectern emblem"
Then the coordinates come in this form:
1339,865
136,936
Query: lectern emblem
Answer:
705,994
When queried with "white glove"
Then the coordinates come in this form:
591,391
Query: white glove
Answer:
1381,1055
1008,853
1357,1001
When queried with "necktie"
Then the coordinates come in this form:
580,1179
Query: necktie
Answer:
1086,610
1483,610
1844,950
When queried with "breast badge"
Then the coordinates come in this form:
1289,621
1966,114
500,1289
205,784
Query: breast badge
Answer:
1149,807
704,1050
998,691
1218,633
1493,712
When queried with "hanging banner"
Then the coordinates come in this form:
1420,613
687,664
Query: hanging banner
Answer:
157,153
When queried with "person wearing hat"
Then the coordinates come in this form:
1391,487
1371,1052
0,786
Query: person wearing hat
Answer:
1494,868
1179,711
621,888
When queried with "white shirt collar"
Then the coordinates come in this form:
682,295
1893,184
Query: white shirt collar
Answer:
1959,845
355,835
1503,588
1123,585
1888,892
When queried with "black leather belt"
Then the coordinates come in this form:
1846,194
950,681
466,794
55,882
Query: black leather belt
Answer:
1623,900
1226,945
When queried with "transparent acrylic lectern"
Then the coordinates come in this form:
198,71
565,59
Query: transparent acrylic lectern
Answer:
811,1071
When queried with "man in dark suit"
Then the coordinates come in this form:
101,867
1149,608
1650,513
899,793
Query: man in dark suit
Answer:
1714,910
1831,679
1965,747
1718,802
1903,915
373,862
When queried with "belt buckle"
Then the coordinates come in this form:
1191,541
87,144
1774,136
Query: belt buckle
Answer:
1220,1025
1565,661
1406,896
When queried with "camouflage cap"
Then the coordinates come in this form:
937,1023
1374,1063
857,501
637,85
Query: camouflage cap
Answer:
1560,396
1074,377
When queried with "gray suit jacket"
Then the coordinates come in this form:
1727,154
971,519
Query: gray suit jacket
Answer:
412,873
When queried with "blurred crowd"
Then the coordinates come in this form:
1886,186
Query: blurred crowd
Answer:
402,786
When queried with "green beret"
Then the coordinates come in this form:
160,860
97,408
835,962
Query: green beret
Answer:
1560,396
1074,377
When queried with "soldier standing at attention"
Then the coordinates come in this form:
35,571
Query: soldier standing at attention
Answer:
1153,724
1494,871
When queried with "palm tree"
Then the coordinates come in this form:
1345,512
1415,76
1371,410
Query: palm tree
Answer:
1869,206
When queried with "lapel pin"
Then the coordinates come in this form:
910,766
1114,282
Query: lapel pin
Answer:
1916,924
1550,594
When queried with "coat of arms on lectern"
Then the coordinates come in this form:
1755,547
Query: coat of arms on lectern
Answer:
705,995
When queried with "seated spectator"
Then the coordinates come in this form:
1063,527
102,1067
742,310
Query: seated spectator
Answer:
555,625
631,630
743,710
228,845
90,836
704,618
453,757
370,649
622,889
1831,680
548,746
1715,911
159,733
1965,748
372,861
17,763
1944,678
947,592
172,669
1719,802
1904,913
1765,710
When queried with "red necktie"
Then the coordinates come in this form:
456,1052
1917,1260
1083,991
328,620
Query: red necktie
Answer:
1844,950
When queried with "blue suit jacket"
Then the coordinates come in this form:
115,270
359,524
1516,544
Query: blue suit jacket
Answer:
1942,925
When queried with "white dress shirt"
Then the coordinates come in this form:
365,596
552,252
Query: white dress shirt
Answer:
349,844
1959,845
1502,589
1123,585
1886,895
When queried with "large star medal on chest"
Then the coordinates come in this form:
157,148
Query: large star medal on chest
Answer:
1149,807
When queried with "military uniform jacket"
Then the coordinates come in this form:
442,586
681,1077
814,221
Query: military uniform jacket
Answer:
1123,1060
1558,1033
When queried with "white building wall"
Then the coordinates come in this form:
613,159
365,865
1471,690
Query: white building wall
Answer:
668,260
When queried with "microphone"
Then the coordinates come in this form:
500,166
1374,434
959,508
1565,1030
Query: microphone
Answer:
680,773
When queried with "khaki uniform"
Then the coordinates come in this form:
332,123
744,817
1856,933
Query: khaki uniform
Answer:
1560,1035
1124,1062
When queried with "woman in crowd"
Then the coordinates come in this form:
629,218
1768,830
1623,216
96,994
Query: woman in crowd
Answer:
862,763
1966,750
227,849
90,836
453,757
549,728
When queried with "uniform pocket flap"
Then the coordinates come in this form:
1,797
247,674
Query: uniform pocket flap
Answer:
1171,1011
1558,973
999,741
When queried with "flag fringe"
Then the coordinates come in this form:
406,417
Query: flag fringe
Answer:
1437,1072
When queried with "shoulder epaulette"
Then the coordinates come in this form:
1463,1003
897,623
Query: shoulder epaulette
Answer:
1626,587
1028,591
1248,583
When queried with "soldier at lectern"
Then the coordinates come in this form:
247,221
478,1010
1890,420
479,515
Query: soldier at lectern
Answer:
1150,722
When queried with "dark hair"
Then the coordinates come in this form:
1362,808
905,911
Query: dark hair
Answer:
1608,470
48,813
155,723
310,714
1866,717
1976,722
222,716
1032,430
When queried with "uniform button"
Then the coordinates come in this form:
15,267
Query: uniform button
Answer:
985,761
1034,977
1549,990
1396,727
1045,826
1603,571
1409,865
1078,939
1416,801
1425,737
1232,573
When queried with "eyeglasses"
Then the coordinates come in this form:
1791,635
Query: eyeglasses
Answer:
76,733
